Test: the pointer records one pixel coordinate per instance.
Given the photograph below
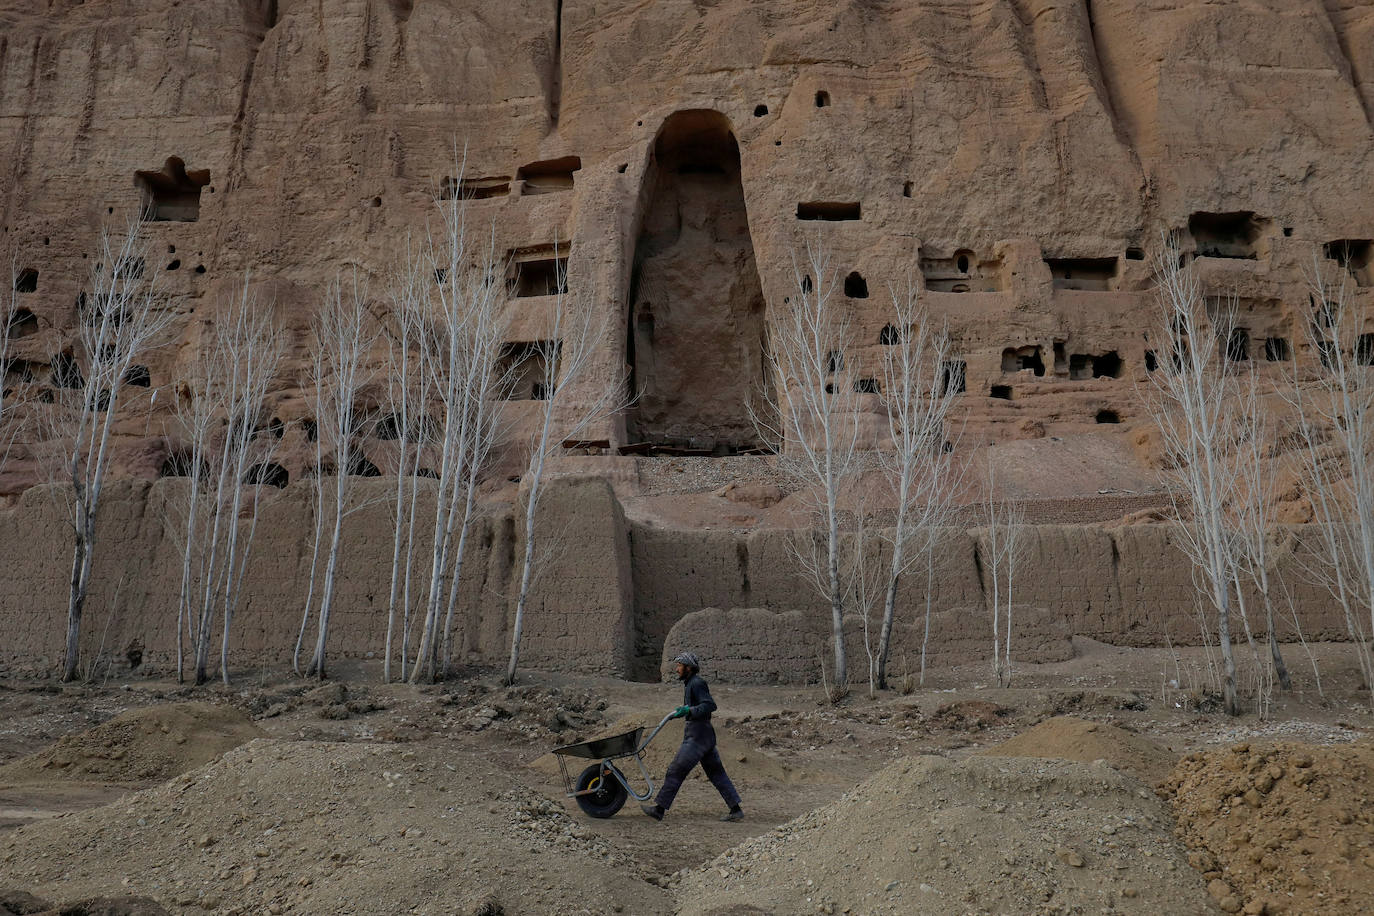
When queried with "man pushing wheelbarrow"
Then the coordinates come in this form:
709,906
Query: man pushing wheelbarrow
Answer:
698,744
602,788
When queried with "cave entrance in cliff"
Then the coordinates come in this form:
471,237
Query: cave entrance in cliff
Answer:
696,334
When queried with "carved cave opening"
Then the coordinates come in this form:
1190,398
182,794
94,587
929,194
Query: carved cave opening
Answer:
172,193
1228,235
1277,350
696,326
1087,274
1356,256
1017,359
540,270
549,176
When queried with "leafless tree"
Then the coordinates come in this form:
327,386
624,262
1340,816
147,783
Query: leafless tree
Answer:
123,319
344,334
1192,405
576,400
407,397
1252,513
1000,549
228,453
1334,407
919,392
466,328
817,424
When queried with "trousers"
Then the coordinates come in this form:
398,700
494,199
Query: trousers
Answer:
698,747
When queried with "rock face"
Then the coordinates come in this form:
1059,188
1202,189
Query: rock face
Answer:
1016,161
1019,160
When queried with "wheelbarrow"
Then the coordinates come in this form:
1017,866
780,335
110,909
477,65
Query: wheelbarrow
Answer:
601,788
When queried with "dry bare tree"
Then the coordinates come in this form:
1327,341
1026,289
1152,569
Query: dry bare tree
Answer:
123,319
407,400
228,450
1252,514
817,424
1334,407
344,334
1004,522
465,328
1191,403
575,400
919,392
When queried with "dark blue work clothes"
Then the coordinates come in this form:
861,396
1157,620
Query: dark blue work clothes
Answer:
698,747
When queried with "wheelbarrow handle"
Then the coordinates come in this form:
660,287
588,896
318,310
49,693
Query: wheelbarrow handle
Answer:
666,719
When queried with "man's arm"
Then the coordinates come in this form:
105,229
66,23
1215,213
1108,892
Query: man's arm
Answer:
700,700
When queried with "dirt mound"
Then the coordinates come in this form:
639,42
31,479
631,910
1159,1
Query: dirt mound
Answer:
969,715
1285,828
1067,738
139,747
320,827
18,903
928,835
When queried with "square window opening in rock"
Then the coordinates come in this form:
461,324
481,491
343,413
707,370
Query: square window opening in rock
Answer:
961,272
1001,392
538,271
834,361
172,193
1017,359
66,373
1135,254
953,376
1236,347
26,281
1364,350
1087,274
1356,256
855,286
474,188
1107,415
830,211
549,176
1277,350
1228,235
523,368
1151,361
23,323
866,385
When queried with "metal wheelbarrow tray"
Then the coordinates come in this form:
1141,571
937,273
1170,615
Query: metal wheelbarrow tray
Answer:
602,789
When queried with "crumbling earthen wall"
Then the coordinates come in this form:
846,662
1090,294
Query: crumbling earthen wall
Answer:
1128,586
138,574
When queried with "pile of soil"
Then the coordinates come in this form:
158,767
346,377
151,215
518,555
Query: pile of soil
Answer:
1068,738
18,903
929,835
1284,828
139,747
323,827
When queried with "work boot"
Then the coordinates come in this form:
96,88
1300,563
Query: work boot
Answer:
734,814
655,811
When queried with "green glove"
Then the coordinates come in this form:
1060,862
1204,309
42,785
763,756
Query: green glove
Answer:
681,712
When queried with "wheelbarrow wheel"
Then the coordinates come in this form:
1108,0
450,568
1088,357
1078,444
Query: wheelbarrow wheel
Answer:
608,795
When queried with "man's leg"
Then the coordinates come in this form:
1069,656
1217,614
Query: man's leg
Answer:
688,756
715,771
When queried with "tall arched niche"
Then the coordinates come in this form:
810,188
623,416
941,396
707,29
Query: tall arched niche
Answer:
696,312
